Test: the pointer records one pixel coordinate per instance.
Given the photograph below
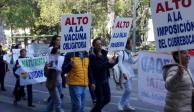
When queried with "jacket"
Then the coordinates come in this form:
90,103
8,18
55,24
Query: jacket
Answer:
99,68
3,69
76,67
179,89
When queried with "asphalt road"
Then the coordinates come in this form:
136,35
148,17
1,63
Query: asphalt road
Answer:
40,93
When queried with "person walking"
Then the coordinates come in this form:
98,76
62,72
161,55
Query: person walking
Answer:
178,83
53,77
76,67
125,64
4,68
55,43
99,65
19,90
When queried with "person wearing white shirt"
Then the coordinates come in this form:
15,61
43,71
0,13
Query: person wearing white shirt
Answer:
125,63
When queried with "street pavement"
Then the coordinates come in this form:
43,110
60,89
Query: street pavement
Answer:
40,93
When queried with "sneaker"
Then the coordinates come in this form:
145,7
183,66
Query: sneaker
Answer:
120,107
129,107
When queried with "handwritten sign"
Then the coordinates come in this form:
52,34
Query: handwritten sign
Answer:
31,70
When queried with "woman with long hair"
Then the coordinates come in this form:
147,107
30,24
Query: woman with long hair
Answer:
52,83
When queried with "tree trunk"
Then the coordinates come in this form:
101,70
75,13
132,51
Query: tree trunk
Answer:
2,36
111,14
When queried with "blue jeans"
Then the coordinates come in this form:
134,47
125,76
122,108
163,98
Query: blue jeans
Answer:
55,101
125,99
77,94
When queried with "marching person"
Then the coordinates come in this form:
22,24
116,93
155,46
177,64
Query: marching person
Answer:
125,63
19,90
55,43
4,68
178,83
76,67
99,65
53,76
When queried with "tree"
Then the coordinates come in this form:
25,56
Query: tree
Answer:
143,15
19,13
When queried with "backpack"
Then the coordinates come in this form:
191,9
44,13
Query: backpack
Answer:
117,74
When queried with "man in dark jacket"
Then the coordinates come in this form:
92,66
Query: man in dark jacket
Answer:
99,66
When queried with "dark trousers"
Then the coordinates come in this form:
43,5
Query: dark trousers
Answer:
2,78
103,96
19,92
92,93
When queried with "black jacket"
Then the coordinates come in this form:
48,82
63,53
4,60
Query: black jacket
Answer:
99,68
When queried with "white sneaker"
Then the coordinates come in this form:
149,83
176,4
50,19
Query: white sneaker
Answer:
129,107
120,107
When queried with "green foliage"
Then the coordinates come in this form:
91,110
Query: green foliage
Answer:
123,8
44,16
19,13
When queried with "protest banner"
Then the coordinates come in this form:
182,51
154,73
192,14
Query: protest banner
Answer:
120,34
173,23
60,62
191,66
31,70
38,50
151,88
7,58
75,30
16,54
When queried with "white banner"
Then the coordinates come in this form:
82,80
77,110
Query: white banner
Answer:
38,50
7,58
173,23
75,30
31,70
60,62
151,87
120,34
191,65
16,54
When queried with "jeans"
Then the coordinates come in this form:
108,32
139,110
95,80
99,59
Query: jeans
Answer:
55,101
77,94
103,96
59,86
125,99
